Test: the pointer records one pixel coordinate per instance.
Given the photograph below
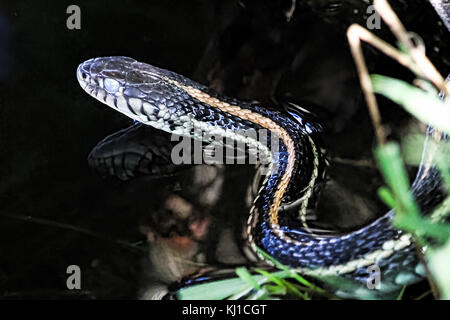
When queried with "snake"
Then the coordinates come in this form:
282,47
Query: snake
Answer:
175,104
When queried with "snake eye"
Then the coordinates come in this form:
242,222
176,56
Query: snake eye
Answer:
111,85
83,75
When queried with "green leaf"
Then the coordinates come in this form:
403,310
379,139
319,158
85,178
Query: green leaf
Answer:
216,290
386,196
283,283
272,277
247,277
402,292
261,294
394,173
292,273
407,214
276,290
425,106
285,268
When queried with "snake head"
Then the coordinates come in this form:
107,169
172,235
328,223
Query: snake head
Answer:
140,91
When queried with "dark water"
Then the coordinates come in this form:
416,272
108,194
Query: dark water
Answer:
55,211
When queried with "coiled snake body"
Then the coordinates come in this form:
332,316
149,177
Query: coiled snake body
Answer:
172,103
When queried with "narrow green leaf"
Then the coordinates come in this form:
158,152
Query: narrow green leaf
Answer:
402,292
283,283
276,289
407,215
394,173
271,277
215,290
291,272
247,277
261,294
425,106
386,196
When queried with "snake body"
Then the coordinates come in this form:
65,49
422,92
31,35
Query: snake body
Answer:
173,103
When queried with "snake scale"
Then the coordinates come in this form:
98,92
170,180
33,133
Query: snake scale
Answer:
175,104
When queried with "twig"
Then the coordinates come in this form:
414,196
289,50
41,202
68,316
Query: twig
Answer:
417,61
425,67
383,46
353,35
291,10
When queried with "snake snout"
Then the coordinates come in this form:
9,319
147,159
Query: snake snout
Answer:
83,73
